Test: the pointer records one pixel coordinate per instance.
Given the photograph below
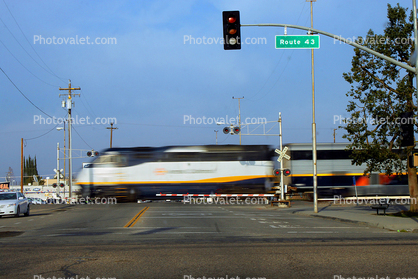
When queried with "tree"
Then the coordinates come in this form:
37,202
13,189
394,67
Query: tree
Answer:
380,93
30,169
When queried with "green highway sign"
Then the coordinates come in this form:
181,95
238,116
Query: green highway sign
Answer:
297,41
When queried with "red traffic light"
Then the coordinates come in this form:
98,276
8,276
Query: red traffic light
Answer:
54,185
231,30
237,130
276,172
61,185
226,130
286,172
89,153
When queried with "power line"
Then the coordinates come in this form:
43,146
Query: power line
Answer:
82,138
44,134
278,63
25,95
50,71
25,66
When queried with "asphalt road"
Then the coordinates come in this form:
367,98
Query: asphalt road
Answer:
174,240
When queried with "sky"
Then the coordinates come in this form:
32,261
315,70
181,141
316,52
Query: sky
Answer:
157,70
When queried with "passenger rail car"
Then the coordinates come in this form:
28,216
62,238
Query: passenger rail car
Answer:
133,173
335,173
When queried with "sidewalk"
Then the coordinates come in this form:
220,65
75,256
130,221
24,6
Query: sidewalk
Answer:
360,214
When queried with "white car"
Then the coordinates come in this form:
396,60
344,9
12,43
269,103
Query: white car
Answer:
14,203
37,201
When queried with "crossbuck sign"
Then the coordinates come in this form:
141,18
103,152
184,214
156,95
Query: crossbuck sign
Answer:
282,154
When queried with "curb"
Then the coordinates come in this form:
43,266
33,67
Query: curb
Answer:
369,224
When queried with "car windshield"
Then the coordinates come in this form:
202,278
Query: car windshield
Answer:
8,196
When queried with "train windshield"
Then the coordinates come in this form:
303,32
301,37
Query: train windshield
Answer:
114,160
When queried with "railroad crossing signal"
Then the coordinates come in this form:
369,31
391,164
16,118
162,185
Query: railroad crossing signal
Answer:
277,172
282,154
92,153
231,130
58,173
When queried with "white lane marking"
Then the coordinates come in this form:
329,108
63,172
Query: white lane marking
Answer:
186,214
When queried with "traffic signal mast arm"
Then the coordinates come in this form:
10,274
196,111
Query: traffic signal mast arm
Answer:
312,30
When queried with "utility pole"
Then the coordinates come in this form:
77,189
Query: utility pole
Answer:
334,134
68,105
21,165
58,164
64,153
239,116
216,131
111,133
314,161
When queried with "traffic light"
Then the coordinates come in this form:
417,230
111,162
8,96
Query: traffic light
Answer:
286,172
407,129
237,130
54,185
62,185
232,30
276,172
226,130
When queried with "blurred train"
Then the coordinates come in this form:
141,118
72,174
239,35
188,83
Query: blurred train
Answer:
142,172
335,173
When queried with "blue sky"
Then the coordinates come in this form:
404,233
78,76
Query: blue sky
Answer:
154,78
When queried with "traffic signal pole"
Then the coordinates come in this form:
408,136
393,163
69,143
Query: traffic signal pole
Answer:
281,162
311,30
339,38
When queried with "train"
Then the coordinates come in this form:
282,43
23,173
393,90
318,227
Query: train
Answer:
336,175
134,173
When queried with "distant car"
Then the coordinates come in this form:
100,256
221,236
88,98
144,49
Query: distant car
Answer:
14,203
37,201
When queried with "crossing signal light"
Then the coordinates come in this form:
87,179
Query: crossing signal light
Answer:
54,185
237,130
92,153
232,30
286,172
407,129
276,172
226,130
62,185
